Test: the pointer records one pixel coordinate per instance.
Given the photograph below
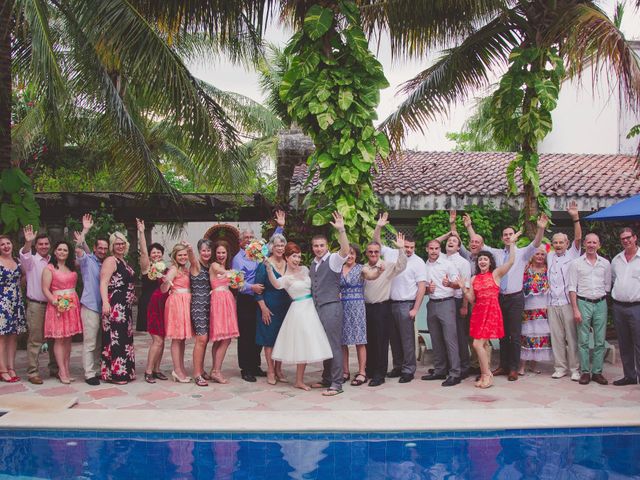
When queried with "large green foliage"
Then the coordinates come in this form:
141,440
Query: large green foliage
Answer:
331,90
19,206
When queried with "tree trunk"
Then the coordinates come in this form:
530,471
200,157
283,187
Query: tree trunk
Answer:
5,84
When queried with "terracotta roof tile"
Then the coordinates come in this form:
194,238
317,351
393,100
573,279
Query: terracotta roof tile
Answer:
473,173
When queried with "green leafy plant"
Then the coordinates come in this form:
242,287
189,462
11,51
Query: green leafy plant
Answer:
331,89
19,206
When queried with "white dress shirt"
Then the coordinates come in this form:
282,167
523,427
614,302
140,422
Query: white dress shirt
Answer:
464,269
404,287
513,282
626,278
335,261
33,266
436,272
558,271
590,281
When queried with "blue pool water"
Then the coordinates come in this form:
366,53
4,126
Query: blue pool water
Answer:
514,454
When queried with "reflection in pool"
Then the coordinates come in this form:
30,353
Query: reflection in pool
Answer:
524,454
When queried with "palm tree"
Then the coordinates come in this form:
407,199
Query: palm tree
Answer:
581,32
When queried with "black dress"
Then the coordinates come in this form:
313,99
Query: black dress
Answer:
148,286
118,358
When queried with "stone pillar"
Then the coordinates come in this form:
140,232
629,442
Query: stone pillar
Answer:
294,148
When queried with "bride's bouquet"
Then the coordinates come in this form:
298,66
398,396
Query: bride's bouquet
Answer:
236,279
257,251
65,303
156,270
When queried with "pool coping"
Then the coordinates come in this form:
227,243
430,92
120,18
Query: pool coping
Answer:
317,421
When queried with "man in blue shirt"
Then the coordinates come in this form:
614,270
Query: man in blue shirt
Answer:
248,351
91,302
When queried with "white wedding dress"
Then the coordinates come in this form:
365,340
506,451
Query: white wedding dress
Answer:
302,338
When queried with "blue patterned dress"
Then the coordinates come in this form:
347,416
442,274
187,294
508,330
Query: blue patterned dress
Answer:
277,301
12,319
354,327
200,301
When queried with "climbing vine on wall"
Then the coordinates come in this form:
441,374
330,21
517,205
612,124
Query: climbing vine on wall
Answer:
521,114
331,90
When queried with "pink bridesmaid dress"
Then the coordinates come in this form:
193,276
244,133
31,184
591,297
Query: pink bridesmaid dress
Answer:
62,324
223,320
177,309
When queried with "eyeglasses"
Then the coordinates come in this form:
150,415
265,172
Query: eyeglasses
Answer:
624,239
373,252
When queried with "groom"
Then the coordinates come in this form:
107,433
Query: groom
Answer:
325,287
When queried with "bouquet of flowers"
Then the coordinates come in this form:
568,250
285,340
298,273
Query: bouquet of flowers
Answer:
257,251
236,279
65,303
156,270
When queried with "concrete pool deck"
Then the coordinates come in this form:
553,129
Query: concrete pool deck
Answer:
534,401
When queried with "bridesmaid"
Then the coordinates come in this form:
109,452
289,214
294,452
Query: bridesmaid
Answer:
354,327
151,303
200,309
12,318
273,304
117,289
61,322
224,316
177,311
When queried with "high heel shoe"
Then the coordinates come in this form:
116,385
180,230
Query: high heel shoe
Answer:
6,377
160,376
217,377
200,381
176,378
271,378
14,377
487,381
149,378
65,381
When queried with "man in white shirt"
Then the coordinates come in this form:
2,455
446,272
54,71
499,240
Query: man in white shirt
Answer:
625,274
441,316
32,265
407,293
589,282
564,334
511,296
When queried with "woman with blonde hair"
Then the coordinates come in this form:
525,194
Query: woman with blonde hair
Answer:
177,310
117,290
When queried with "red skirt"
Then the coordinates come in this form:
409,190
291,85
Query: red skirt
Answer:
155,313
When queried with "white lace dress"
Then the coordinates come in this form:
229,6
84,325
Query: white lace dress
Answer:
302,338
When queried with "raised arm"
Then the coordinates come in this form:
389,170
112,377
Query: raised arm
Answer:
444,237
168,279
338,224
452,221
575,218
542,223
383,220
142,246
81,237
25,251
468,224
502,270
107,270
276,282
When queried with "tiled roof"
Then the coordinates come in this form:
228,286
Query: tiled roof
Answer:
483,173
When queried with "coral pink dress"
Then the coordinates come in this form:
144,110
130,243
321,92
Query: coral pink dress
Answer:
63,324
223,320
177,309
486,316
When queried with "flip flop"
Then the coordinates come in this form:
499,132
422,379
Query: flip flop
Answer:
320,385
356,382
331,392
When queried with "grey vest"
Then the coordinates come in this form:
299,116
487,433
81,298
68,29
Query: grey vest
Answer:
325,284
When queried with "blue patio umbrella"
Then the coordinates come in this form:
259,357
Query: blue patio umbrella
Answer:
628,209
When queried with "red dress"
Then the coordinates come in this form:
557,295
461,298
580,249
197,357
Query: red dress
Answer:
486,317
155,312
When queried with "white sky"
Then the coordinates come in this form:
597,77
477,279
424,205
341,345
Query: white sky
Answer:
233,78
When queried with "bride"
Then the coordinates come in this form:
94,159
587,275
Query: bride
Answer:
302,338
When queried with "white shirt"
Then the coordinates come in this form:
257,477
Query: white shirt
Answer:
590,281
514,276
436,272
33,266
626,278
558,271
464,269
335,261
405,285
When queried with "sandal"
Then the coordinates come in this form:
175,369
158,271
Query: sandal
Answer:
8,378
331,392
346,377
14,377
281,378
200,381
206,376
358,380
149,377
160,376
321,384
218,378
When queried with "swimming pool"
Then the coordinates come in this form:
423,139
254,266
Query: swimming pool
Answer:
503,454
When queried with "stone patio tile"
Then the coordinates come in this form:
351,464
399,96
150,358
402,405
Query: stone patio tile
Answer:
57,391
157,395
90,406
108,392
13,388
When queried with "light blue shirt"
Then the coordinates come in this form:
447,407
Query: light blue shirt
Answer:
90,268
242,264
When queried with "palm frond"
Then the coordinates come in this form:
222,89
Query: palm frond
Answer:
270,70
590,37
453,77
26,133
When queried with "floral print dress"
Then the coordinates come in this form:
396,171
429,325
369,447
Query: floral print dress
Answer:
535,340
118,358
12,319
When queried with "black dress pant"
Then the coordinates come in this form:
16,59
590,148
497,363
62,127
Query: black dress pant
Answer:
378,320
248,351
512,307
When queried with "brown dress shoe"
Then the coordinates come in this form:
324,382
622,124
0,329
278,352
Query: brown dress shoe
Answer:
36,380
598,378
585,378
499,371
513,376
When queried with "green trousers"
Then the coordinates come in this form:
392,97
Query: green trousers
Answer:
594,316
